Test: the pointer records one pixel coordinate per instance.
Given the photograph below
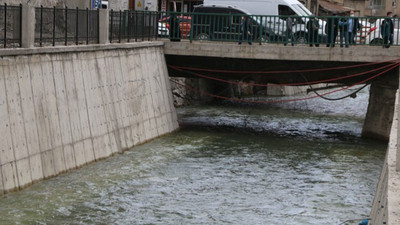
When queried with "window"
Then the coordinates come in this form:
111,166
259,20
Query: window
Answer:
377,4
285,10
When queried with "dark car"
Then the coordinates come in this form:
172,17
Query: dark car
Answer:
224,24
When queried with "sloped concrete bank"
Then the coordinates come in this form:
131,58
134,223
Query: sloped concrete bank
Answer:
386,205
64,107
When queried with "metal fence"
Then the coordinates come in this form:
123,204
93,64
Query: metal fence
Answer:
10,26
127,26
63,26
312,30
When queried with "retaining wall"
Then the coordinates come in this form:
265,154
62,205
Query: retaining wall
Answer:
64,107
386,205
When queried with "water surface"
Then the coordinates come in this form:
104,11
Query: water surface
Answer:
273,164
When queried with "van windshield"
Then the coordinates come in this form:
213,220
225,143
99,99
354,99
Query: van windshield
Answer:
301,9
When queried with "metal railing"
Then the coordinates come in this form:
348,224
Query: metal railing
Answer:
63,26
10,26
312,30
127,26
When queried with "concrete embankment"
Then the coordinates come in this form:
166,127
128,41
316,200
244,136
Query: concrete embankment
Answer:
64,107
386,205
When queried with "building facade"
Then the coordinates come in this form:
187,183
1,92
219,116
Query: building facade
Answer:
361,7
178,5
381,7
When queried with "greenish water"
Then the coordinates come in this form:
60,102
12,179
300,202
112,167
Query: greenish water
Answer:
264,165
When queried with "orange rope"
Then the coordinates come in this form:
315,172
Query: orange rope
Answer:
287,100
287,84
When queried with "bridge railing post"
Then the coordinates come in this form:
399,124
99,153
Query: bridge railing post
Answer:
28,26
191,29
261,31
104,26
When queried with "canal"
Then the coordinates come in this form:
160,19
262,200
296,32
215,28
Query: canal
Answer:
292,163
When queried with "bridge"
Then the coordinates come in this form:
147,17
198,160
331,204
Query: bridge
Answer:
249,62
66,106
213,59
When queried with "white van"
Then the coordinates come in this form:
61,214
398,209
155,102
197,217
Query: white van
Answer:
265,7
274,8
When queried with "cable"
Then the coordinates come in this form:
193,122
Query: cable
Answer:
288,71
286,84
334,99
288,100
341,98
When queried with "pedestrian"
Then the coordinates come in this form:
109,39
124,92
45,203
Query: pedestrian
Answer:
245,30
313,27
387,30
344,31
174,29
332,29
353,27
289,32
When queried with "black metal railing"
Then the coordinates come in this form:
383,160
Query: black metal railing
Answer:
128,26
63,26
312,30
10,26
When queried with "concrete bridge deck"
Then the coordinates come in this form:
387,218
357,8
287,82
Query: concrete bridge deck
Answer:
272,57
358,53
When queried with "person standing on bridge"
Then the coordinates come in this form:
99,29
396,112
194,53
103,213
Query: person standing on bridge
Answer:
245,30
174,28
289,32
354,27
344,31
313,27
332,30
387,30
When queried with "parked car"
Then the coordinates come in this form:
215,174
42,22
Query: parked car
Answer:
375,36
212,22
184,26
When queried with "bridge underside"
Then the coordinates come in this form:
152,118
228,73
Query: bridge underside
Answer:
188,58
221,66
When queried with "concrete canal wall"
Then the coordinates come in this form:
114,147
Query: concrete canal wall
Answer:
386,205
64,107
